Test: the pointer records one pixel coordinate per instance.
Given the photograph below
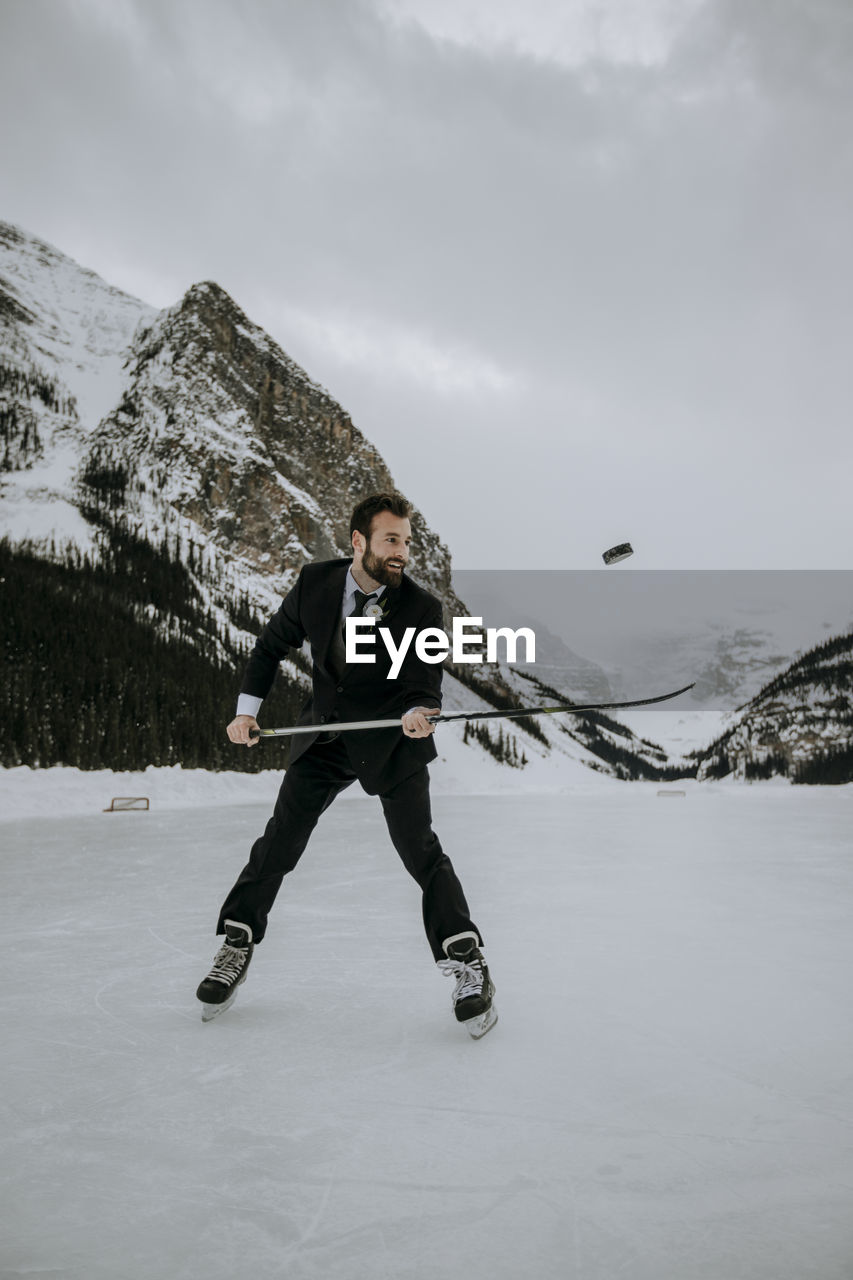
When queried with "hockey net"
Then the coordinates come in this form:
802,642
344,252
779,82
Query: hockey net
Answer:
121,804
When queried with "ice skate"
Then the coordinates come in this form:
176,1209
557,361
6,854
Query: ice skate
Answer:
472,995
218,991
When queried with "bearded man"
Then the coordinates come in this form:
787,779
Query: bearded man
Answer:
386,762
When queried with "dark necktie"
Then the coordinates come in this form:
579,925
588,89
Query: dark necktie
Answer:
361,599
338,653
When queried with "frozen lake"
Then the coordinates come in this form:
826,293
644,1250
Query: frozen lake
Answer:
668,1094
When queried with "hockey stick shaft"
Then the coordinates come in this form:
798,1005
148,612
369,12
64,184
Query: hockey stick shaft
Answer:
348,726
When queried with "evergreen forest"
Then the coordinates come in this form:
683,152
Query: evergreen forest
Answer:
115,664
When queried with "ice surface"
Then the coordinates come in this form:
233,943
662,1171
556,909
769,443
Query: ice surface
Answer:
678,732
667,1096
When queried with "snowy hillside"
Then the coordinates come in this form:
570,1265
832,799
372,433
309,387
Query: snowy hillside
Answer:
800,725
64,339
67,320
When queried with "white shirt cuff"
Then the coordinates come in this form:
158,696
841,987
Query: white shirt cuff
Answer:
248,704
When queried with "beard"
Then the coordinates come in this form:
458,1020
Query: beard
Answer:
379,570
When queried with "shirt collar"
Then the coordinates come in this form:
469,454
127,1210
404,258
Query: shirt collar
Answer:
350,588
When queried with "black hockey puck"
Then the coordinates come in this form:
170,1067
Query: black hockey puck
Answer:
615,554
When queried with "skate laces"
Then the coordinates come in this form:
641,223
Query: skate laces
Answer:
468,975
228,964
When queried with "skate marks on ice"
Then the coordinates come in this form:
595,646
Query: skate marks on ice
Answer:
662,1096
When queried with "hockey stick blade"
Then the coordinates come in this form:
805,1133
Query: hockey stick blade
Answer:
349,726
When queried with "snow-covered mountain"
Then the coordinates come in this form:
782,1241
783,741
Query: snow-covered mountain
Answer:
800,724
178,468
215,430
67,321
729,660
185,446
646,631
64,336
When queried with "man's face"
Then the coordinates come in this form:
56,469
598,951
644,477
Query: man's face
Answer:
385,556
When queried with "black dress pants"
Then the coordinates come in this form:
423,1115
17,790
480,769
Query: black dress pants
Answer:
310,785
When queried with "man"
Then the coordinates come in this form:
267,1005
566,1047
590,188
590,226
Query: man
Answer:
389,763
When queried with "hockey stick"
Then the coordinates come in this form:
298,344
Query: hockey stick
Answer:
333,727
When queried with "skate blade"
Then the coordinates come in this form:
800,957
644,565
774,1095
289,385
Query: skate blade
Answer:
211,1011
477,1027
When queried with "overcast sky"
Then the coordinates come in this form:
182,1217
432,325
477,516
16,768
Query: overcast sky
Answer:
582,272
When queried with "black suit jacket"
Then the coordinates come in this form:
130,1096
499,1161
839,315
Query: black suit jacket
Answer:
312,608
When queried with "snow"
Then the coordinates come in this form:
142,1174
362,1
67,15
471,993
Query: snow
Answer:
679,731
301,496
80,333
667,1093
459,770
648,630
28,517
82,326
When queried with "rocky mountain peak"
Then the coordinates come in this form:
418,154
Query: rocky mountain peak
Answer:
218,422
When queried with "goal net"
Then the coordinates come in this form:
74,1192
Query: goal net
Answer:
119,804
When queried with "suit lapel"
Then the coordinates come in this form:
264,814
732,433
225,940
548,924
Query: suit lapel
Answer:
389,600
327,626
329,612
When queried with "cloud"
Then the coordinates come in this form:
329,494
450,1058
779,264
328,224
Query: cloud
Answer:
386,350
571,34
602,238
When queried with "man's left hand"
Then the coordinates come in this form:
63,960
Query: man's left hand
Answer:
415,723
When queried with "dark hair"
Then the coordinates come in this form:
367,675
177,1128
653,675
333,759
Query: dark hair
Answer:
362,518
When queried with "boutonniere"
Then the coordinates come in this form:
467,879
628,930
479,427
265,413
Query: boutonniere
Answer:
374,610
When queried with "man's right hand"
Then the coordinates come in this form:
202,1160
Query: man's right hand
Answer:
238,730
